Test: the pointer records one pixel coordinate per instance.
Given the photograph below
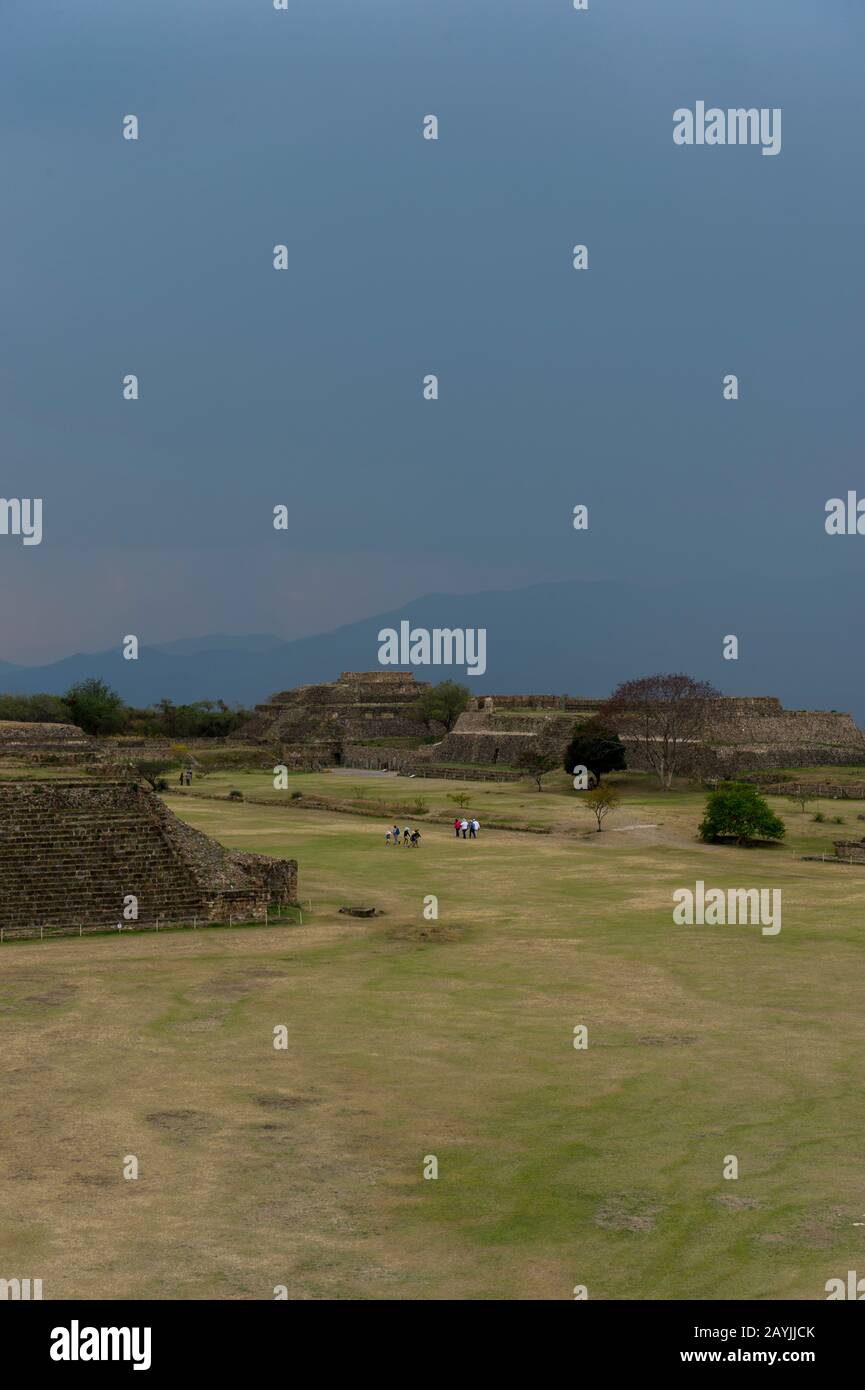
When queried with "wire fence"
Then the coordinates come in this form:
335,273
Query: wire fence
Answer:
289,915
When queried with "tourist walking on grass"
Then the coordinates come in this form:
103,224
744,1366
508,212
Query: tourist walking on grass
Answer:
464,825
396,834
188,776
457,824
474,827
415,838
387,838
406,835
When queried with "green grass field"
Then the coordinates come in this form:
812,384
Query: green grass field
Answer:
410,1037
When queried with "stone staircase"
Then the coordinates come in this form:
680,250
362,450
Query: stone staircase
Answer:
70,853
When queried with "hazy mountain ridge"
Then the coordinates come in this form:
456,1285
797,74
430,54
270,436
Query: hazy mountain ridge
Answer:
580,638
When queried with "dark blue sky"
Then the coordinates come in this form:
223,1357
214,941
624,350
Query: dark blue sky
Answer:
408,257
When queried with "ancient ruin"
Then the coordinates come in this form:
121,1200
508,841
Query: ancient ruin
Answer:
354,720
314,723
64,744
741,734
71,853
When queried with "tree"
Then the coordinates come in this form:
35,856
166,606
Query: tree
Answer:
95,707
736,809
665,714
35,709
537,763
151,771
601,801
460,799
442,704
596,748
804,796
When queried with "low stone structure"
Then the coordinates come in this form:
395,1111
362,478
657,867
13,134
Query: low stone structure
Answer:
46,743
312,724
852,851
755,733
72,852
740,735
487,738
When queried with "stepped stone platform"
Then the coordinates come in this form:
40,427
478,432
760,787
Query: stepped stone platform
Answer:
47,743
740,734
312,723
70,853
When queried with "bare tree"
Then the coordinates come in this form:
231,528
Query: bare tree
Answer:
664,714
538,763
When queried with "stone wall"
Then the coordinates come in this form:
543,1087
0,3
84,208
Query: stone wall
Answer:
46,743
489,739
70,852
851,850
740,735
567,703
377,759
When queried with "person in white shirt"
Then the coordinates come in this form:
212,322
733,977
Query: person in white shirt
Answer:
464,825
474,827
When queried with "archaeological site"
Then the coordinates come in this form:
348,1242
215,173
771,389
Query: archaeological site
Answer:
365,720
73,854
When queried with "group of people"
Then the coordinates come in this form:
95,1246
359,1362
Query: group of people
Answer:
185,776
467,828
409,837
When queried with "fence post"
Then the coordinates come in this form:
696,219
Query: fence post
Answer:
41,930
194,923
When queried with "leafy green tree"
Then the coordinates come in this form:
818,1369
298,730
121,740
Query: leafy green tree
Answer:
537,763
596,748
35,709
601,801
736,809
95,707
442,704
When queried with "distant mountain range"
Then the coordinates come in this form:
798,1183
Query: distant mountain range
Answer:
799,641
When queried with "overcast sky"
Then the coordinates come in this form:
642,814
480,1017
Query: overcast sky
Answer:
409,257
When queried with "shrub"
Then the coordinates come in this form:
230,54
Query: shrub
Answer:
420,806
235,795
738,810
819,817
295,796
